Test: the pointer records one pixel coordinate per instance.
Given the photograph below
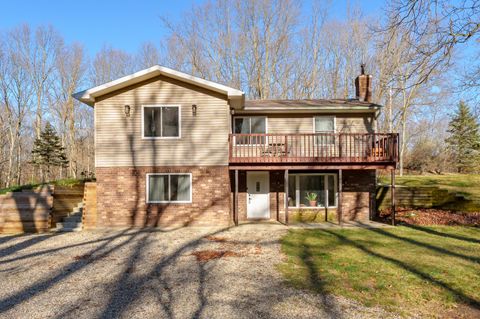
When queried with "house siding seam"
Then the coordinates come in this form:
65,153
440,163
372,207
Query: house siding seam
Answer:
121,198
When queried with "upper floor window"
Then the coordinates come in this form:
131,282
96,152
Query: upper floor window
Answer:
325,124
161,121
250,125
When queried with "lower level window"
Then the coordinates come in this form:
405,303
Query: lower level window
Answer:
312,190
169,188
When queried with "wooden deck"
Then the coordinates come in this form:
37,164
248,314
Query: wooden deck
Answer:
314,149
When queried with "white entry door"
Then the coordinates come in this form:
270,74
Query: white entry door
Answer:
258,202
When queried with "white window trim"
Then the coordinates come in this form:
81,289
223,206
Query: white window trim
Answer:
334,129
297,189
326,116
147,188
163,137
249,117
250,127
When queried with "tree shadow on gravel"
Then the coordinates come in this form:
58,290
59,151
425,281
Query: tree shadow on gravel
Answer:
63,273
129,289
28,242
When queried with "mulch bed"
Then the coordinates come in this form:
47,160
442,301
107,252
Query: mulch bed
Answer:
430,216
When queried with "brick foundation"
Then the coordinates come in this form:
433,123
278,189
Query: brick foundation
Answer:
358,194
121,198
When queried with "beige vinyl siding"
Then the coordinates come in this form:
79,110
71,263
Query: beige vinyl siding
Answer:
303,123
204,137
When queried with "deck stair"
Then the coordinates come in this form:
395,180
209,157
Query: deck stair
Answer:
73,221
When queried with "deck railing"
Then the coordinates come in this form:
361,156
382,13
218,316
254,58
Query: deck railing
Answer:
314,148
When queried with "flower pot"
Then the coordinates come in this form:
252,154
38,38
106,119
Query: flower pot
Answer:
313,203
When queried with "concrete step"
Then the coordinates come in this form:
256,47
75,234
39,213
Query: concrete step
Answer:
65,224
68,229
73,219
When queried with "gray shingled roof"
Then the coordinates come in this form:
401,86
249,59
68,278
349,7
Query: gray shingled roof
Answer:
308,103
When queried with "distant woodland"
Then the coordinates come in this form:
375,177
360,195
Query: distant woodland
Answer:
423,56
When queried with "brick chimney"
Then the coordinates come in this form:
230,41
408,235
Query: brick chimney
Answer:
363,86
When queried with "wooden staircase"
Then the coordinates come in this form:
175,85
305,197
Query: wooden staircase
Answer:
73,221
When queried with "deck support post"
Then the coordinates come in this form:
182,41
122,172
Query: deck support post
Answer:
235,200
339,205
286,195
392,197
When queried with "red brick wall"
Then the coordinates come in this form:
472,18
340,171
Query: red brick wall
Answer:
121,198
358,188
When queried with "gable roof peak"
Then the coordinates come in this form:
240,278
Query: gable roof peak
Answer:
89,96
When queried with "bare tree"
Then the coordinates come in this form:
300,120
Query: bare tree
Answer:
16,93
70,68
447,24
110,64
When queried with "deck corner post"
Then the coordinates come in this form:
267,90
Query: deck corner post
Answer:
235,199
392,188
286,196
339,205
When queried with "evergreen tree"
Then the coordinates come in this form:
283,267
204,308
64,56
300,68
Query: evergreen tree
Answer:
464,139
48,151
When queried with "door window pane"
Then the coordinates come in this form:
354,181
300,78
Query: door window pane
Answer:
170,121
180,188
250,125
242,126
158,188
152,121
258,125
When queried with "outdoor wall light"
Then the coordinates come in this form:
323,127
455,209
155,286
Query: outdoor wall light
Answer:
194,109
127,110
232,111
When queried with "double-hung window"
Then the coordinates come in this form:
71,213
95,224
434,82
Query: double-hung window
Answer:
302,186
325,125
161,121
169,188
250,125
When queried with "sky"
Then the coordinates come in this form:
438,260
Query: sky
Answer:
124,24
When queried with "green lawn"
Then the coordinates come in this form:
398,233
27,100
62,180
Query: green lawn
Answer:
466,184
423,270
60,182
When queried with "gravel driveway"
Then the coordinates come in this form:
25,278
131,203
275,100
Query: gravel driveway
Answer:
183,273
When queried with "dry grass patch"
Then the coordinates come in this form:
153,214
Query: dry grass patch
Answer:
206,255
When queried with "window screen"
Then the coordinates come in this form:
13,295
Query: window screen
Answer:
325,124
161,121
169,188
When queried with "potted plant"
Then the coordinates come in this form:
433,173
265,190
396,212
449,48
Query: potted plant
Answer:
312,199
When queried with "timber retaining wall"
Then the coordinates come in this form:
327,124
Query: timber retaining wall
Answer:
37,211
424,197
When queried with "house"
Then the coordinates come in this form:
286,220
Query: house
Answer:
174,149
